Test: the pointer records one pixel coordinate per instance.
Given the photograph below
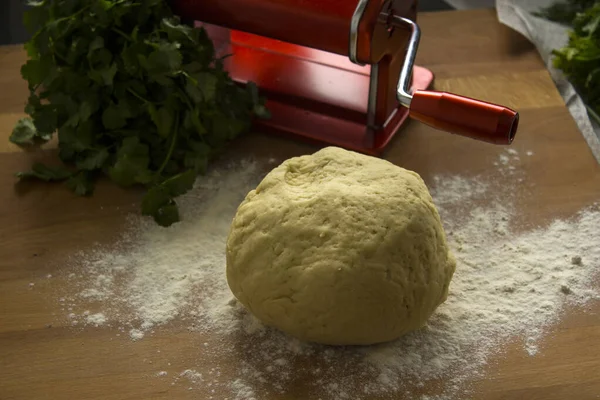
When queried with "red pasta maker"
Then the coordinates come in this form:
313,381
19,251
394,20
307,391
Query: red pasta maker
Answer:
340,71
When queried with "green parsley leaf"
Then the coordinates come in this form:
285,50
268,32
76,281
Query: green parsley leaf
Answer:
132,163
192,122
162,118
207,84
93,160
192,89
155,198
197,157
45,173
107,74
167,215
24,132
35,71
565,11
81,184
165,59
113,118
177,32
78,138
180,184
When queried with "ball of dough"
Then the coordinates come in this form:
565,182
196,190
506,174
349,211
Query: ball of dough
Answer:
339,248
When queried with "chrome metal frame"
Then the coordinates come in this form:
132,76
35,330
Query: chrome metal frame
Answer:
354,23
403,90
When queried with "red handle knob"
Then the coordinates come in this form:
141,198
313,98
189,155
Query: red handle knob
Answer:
465,116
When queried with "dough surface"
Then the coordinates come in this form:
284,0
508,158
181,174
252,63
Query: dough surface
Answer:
339,248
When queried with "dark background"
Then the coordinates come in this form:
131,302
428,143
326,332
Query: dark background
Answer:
12,30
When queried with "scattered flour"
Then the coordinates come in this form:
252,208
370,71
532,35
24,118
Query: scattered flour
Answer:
95,319
242,390
507,163
456,189
508,285
192,375
136,334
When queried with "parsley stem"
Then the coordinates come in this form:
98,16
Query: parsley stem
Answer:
171,147
120,32
195,82
187,101
76,14
152,44
130,90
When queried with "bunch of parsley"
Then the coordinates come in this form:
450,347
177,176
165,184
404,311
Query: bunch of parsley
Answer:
580,58
132,94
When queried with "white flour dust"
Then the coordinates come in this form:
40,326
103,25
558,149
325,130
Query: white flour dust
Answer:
508,285
95,319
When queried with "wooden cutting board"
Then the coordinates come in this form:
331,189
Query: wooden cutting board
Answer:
43,357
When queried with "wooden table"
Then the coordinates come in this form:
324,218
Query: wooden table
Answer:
470,53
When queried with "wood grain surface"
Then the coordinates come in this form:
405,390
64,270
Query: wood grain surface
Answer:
43,357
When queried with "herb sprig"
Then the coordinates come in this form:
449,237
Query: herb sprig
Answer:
132,93
580,58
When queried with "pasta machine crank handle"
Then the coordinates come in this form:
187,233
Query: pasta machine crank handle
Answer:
446,111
